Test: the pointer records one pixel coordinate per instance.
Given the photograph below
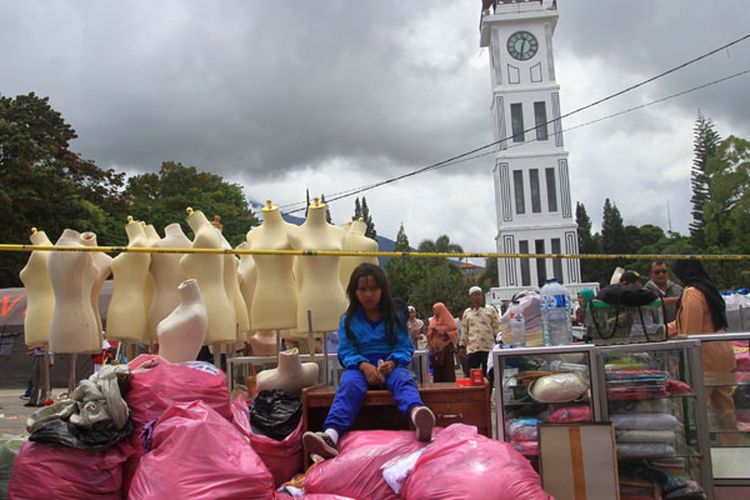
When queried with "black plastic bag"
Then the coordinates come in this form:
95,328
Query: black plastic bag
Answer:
275,413
62,433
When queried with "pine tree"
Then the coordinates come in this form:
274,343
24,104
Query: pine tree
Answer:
705,141
587,244
357,209
307,204
370,232
614,238
328,211
402,241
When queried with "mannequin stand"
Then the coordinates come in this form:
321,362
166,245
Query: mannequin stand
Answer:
72,374
45,375
310,338
217,354
325,358
278,341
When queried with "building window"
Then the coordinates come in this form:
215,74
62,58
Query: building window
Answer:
540,120
536,196
551,189
518,189
557,269
541,264
523,247
516,118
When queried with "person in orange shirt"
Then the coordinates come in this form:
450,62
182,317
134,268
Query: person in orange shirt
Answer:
701,310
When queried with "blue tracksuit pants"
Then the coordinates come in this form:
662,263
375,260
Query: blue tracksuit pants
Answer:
353,389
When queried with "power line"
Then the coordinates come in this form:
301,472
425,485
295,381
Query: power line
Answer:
347,193
470,156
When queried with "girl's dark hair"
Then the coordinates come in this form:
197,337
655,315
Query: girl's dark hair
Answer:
392,321
692,273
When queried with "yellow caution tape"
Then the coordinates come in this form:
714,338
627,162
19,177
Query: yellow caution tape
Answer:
350,253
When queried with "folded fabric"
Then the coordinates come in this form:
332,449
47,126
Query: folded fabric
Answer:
625,393
523,429
678,387
633,436
569,414
526,448
644,450
646,421
397,470
643,375
642,406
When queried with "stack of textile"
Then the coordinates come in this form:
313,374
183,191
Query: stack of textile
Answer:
742,392
636,384
524,435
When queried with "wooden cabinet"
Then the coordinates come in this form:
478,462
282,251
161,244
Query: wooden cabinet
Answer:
450,403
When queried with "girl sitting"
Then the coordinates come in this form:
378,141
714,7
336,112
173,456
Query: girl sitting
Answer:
375,349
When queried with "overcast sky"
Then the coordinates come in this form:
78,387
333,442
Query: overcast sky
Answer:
331,95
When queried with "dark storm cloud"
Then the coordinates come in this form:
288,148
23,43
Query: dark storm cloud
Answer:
641,39
242,87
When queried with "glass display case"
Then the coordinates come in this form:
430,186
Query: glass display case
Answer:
654,394
726,376
535,385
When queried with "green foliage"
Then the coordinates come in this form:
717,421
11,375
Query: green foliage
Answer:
44,184
328,210
614,238
362,211
705,141
402,241
588,243
490,276
161,199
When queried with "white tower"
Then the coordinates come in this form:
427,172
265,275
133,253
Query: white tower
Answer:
532,186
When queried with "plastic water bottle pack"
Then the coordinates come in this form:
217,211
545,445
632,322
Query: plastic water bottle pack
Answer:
555,309
517,325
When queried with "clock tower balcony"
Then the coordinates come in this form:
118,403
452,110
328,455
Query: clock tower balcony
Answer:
500,11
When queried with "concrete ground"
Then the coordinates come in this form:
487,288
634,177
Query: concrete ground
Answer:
13,413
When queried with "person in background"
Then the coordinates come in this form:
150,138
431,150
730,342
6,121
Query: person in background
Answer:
479,325
584,297
665,288
701,310
631,278
36,395
415,326
442,338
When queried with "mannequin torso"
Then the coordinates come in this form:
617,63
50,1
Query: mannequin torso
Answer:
182,333
248,275
40,301
291,374
167,274
356,240
74,327
274,303
208,270
321,291
103,267
126,317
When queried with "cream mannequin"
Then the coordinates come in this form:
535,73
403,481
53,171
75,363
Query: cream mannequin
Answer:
40,298
291,375
152,236
321,291
356,241
232,285
128,309
103,267
74,327
183,332
167,275
274,304
208,269
248,275
263,343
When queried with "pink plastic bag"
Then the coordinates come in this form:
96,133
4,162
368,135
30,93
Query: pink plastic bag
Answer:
42,471
462,464
283,458
356,471
197,454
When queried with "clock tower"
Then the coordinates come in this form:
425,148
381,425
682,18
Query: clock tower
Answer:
532,184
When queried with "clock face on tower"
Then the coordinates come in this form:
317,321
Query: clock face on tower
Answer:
522,45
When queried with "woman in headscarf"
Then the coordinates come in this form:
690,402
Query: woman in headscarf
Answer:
415,326
584,297
442,337
701,310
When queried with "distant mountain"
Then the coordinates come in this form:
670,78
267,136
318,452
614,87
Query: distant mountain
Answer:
384,244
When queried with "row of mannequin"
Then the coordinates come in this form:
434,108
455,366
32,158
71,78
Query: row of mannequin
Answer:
257,293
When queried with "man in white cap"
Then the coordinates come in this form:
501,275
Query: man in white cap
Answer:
479,324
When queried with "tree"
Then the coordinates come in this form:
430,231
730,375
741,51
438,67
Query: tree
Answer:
162,198
46,185
357,209
587,244
705,141
402,241
328,211
370,231
490,276
614,237
443,283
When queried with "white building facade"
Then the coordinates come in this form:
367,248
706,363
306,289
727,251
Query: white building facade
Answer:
535,213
